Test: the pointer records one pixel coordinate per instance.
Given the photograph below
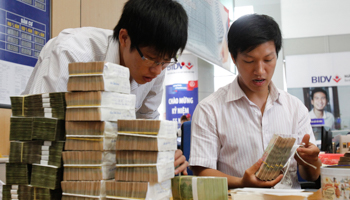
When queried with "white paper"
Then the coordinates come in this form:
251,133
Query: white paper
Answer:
274,192
117,100
44,162
46,100
47,143
166,156
115,70
13,80
159,191
46,158
45,152
167,144
167,128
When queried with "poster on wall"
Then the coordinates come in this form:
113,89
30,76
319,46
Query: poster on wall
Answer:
322,82
24,30
181,87
207,30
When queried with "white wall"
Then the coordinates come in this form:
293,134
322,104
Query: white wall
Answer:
205,79
310,18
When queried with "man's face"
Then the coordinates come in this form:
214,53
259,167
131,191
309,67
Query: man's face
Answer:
256,67
142,71
319,101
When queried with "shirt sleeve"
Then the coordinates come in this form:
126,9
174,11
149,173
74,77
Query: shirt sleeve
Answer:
205,143
50,73
304,124
149,107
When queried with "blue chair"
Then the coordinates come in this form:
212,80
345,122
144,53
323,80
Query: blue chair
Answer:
304,184
186,141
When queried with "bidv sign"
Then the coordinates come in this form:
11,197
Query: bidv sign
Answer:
188,65
324,79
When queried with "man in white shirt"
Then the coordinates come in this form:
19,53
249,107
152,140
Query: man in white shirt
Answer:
146,40
232,127
319,100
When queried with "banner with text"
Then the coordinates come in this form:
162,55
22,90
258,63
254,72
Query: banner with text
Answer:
25,29
181,88
208,24
322,82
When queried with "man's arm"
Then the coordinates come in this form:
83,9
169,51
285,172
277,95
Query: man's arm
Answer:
248,180
310,151
310,155
150,105
205,147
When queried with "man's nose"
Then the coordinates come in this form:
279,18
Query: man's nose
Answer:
259,68
157,69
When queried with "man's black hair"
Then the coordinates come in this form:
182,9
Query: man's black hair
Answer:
160,24
318,90
249,31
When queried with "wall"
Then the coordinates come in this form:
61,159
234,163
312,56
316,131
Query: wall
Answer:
5,115
205,79
82,13
273,9
311,18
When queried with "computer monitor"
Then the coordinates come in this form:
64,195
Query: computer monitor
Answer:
324,135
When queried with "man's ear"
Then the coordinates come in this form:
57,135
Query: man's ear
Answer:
312,102
234,61
124,38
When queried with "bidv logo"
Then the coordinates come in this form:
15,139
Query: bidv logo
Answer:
188,65
324,79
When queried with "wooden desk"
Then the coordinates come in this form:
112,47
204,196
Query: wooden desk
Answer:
315,196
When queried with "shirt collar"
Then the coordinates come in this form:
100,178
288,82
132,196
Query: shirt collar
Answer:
235,92
112,51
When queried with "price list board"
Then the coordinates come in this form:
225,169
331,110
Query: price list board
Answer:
24,30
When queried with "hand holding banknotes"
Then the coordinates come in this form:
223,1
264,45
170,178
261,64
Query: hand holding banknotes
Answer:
250,180
309,153
180,161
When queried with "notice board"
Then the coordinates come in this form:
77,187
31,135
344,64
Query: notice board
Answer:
24,30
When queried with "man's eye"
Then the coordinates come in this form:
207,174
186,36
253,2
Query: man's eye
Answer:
248,61
268,60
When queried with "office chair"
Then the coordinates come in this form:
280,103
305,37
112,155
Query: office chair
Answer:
186,142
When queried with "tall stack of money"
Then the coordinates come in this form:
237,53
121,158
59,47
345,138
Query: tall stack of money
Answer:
145,160
37,132
99,95
275,156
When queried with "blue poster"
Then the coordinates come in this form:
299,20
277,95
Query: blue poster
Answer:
181,99
24,30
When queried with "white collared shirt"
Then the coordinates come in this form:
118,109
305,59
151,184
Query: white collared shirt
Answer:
327,117
229,133
88,44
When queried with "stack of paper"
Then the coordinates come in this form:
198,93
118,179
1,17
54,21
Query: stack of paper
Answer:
201,187
37,134
100,95
269,194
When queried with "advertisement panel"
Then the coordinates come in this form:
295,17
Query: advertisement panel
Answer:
322,82
181,88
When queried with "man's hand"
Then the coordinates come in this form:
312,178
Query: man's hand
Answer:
309,153
180,161
250,180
